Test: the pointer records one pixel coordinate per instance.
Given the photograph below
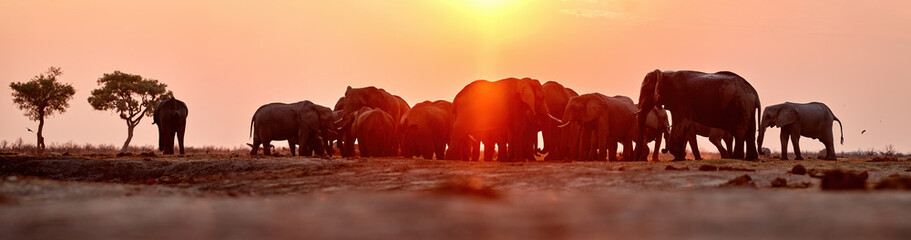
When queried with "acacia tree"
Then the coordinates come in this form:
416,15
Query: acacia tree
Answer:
130,95
42,96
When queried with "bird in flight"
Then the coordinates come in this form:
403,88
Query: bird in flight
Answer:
29,129
862,132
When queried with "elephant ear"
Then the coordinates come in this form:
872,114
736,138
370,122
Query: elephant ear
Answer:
593,109
526,92
658,79
786,116
310,119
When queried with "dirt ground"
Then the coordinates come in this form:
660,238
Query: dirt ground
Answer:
242,197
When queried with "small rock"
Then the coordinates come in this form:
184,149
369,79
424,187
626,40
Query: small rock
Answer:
742,181
124,154
816,173
729,168
66,153
844,180
779,182
799,170
896,183
708,168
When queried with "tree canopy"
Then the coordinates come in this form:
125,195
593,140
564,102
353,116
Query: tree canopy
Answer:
42,96
129,95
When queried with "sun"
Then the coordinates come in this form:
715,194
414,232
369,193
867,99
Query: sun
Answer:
488,5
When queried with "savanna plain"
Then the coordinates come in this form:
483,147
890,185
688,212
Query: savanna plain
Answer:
237,196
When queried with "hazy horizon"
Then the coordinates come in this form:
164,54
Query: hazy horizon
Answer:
225,59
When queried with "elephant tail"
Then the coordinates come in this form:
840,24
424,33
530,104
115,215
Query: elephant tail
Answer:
842,131
251,126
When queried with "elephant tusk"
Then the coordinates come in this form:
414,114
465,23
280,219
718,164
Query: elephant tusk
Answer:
565,124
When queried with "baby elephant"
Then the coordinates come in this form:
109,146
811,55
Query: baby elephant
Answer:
812,120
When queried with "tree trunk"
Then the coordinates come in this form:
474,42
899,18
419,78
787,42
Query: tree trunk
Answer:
129,136
40,142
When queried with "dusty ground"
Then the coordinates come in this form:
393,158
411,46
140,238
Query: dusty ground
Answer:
234,197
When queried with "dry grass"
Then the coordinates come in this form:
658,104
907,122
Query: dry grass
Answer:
70,148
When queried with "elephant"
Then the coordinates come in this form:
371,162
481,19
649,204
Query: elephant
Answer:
425,129
508,113
171,117
722,100
354,100
716,137
371,128
812,120
657,128
604,121
298,123
319,144
557,141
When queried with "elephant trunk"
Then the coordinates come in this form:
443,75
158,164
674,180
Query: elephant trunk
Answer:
762,127
641,138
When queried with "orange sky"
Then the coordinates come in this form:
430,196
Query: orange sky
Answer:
226,58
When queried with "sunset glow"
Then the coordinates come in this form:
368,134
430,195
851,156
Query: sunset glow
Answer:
225,59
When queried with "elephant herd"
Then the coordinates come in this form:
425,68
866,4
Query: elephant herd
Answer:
506,116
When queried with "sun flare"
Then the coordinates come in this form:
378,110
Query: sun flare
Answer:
489,5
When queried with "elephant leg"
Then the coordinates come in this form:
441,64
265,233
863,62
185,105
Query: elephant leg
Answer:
628,150
267,148
784,143
752,154
427,150
828,140
606,147
476,151
362,147
716,140
738,147
292,146
439,150
180,132
609,152
657,147
729,146
255,146
503,150
795,139
677,143
694,144
585,143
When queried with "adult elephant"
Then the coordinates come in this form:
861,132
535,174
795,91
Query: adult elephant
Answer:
425,129
171,117
812,120
504,112
371,128
604,122
557,141
373,97
298,123
721,100
716,137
